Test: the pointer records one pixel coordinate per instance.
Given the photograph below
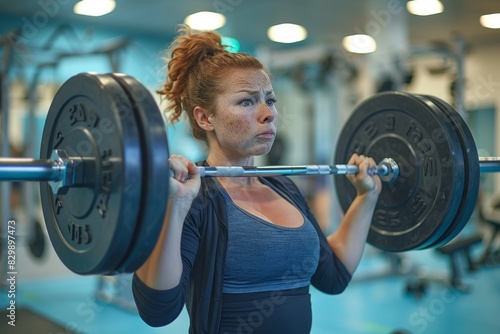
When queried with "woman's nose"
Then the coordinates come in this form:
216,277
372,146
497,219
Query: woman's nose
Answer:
267,113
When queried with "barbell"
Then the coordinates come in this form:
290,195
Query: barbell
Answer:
103,170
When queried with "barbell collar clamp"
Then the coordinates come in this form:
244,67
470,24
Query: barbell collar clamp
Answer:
71,171
389,170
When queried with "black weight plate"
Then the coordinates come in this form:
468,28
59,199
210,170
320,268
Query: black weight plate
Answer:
472,172
155,181
419,206
91,227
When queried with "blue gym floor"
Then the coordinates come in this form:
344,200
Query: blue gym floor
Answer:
369,305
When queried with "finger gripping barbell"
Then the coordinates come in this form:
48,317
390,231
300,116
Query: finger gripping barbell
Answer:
104,154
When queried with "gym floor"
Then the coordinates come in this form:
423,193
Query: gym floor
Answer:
375,302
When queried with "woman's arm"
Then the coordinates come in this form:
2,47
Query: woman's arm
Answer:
348,241
163,269
161,307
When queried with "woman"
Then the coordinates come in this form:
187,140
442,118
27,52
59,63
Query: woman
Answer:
241,252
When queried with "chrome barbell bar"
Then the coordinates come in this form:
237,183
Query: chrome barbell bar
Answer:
63,172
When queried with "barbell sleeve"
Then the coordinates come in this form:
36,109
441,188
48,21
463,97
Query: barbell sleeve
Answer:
489,164
26,169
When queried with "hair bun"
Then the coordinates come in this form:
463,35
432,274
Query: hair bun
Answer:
210,52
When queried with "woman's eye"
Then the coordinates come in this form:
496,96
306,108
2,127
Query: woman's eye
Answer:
271,102
246,103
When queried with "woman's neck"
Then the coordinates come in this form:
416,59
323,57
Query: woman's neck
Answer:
216,159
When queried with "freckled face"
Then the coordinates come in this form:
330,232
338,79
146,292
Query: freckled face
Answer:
246,118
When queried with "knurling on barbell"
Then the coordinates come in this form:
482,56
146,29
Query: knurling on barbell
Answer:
104,150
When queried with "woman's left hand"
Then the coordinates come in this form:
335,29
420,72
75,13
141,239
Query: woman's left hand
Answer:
362,181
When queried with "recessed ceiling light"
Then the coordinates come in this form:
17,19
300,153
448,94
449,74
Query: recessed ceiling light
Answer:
359,43
287,33
491,21
94,7
424,7
205,21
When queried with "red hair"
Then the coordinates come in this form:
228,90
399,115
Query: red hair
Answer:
196,70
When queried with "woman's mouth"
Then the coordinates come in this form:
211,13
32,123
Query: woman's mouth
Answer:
267,135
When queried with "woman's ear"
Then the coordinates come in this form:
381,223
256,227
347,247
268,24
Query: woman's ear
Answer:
203,119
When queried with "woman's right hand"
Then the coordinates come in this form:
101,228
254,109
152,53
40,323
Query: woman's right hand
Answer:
185,183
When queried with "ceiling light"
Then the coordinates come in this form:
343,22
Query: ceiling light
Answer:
94,7
424,7
287,33
205,20
359,43
491,21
